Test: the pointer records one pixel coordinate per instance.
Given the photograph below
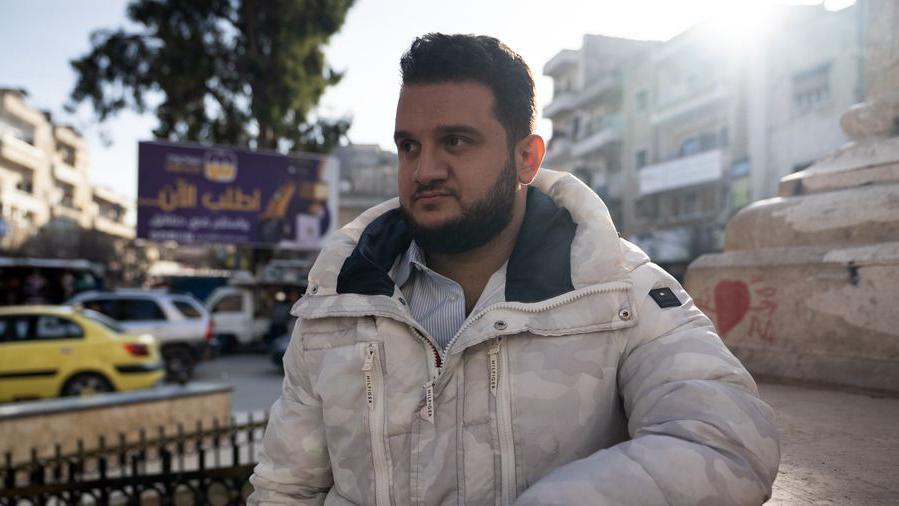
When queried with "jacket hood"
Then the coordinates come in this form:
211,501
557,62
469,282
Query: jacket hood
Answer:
567,241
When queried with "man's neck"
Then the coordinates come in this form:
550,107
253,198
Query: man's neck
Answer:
472,269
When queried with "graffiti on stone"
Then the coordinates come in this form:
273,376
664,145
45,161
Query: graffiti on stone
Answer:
733,301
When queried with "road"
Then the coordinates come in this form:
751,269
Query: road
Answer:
839,448
256,381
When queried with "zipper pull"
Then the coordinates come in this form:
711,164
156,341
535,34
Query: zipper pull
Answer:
367,373
494,365
369,357
428,413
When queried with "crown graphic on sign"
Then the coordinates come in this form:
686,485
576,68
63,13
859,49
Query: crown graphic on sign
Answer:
220,166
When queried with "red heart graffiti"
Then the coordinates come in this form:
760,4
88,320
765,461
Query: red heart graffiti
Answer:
731,304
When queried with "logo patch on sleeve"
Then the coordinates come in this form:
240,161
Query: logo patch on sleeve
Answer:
664,297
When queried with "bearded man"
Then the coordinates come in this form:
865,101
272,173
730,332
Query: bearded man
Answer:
489,339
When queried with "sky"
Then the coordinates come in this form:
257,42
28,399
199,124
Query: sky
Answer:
39,37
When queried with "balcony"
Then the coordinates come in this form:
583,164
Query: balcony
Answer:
104,196
675,108
67,174
20,152
18,199
562,62
112,227
599,133
562,102
681,172
68,212
15,106
596,89
559,152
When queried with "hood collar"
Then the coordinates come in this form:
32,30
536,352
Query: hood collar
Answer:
595,254
539,267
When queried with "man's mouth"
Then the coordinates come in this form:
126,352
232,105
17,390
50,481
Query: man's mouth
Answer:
430,194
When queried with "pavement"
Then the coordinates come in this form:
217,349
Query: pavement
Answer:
837,447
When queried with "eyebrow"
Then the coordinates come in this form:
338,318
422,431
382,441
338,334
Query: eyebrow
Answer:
400,135
442,130
459,129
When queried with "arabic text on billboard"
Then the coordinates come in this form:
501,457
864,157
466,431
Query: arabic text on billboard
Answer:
197,194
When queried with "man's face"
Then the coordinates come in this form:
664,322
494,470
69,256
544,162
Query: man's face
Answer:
457,179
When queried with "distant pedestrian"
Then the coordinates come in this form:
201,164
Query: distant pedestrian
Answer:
489,339
35,286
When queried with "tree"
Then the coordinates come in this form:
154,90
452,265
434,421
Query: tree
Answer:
238,72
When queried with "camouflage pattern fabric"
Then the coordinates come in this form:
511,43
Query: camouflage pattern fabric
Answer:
598,396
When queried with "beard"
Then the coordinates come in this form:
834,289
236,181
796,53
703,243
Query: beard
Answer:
477,225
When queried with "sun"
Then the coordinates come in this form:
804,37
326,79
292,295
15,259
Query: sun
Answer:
737,25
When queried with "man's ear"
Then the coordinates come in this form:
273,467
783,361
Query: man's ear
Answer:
529,154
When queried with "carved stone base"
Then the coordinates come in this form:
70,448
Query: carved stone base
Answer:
807,312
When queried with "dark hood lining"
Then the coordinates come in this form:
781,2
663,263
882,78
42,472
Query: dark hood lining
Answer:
539,267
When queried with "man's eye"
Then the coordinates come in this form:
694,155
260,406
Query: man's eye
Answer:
456,141
407,146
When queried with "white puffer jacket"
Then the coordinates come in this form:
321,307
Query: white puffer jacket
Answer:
583,388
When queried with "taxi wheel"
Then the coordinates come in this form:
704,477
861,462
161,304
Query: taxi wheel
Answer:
86,384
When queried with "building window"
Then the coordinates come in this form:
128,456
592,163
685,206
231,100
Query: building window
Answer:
802,166
706,141
689,147
110,211
67,154
641,100
648,207
68,195
709,203
811,88
25,184
585,175
641,158
690,204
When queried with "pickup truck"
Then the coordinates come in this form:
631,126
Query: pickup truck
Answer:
246,314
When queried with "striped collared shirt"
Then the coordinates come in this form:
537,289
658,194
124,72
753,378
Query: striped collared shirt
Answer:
437,302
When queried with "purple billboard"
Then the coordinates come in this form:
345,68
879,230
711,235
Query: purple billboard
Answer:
190,193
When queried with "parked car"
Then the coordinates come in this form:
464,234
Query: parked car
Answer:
48,351
179,322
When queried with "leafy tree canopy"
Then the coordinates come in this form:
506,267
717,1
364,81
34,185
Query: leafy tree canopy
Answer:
239,72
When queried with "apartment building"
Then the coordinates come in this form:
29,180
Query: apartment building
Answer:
44,180
587,113
705,128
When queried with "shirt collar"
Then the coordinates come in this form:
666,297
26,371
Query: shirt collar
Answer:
413,257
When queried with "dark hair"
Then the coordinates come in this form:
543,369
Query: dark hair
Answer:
437,58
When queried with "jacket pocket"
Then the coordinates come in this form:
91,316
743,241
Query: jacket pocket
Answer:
501,400
373,377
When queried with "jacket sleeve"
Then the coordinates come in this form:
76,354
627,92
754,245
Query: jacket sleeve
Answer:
293,467
699,432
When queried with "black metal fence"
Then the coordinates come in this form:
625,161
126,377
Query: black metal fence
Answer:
208,465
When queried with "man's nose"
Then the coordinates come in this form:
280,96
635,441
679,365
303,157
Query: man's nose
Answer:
431,166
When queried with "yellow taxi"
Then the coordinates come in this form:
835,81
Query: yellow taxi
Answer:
48,351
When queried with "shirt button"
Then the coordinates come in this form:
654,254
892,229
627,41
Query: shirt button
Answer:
453,298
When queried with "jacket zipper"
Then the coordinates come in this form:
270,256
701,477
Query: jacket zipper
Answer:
499,388
374,395
440,355
536,308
